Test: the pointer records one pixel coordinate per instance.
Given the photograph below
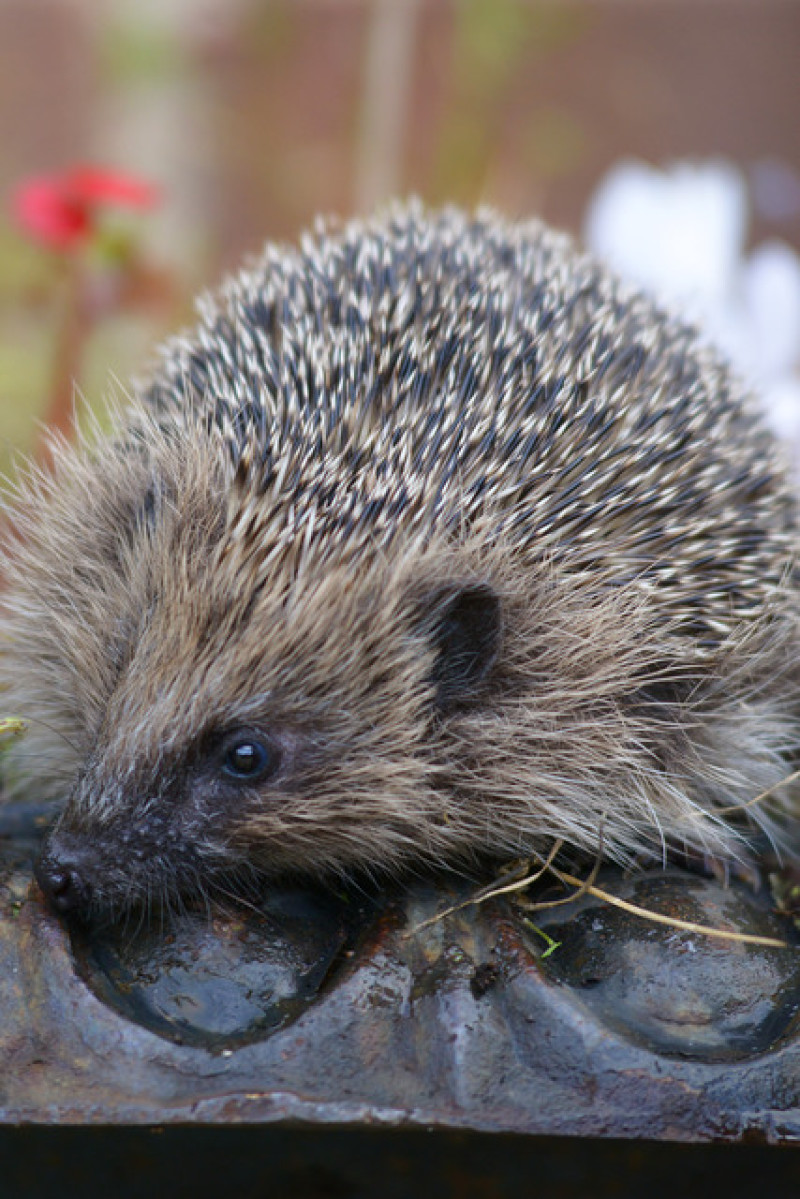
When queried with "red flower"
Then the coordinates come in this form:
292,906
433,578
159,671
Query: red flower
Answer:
60,211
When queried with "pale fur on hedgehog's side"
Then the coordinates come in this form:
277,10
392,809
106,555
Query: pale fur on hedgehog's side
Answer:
488,548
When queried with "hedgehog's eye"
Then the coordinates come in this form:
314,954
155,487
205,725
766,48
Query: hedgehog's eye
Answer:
248,759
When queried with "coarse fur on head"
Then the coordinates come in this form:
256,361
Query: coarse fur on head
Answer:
433,542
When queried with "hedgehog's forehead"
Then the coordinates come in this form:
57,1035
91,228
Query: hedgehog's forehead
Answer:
250,641
259,561
274,546
231,544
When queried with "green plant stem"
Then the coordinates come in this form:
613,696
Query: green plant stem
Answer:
72,332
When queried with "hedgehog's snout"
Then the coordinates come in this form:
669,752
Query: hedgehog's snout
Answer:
64,872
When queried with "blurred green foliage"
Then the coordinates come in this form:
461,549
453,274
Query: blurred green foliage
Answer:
27,284
276,88
139,53
493,39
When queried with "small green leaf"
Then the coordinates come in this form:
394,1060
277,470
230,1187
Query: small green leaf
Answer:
552,944
12,726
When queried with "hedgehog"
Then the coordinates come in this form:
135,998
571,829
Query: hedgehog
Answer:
434,544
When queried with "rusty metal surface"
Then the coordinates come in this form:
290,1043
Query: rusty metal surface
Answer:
331,1010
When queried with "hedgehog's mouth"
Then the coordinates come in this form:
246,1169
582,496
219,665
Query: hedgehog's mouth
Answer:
97,881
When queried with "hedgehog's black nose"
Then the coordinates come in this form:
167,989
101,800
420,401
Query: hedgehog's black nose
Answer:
63,879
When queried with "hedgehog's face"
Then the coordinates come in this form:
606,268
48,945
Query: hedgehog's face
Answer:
235,733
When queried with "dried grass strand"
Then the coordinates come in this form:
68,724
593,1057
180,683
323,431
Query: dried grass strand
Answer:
751,803
690,926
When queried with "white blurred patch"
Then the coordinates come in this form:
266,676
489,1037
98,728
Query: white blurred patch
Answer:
681,234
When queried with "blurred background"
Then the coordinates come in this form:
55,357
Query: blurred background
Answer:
252,116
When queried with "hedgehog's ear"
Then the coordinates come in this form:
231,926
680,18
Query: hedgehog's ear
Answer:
464,623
